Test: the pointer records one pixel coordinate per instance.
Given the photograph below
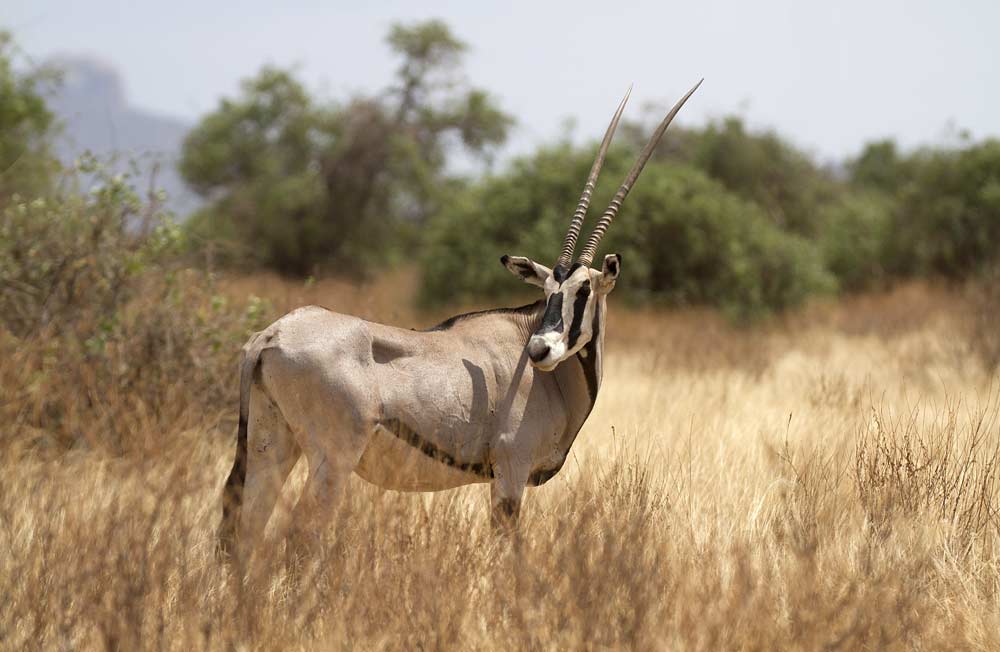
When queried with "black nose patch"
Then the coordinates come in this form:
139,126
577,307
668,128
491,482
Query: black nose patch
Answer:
537,350
552,319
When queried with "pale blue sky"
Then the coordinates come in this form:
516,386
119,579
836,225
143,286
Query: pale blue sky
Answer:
830,75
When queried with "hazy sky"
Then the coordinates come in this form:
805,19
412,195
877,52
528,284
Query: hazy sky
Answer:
830,75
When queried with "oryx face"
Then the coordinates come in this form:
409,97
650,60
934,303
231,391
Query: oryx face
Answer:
572,295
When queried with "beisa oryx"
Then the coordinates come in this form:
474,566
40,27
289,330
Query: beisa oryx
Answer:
496,396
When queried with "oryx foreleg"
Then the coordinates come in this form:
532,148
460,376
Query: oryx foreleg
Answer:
510,477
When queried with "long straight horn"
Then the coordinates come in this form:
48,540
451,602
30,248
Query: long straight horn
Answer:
569,244
587,255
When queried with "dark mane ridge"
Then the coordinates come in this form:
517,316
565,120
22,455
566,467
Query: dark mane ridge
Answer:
451,321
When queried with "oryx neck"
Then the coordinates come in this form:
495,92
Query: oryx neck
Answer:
579,379
523,318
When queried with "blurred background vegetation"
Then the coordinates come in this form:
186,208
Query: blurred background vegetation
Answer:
723,216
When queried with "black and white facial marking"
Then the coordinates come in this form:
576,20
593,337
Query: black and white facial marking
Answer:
571,295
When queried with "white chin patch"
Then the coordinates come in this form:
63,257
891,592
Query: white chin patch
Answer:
557,349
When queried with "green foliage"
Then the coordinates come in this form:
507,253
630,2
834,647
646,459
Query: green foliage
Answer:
854,231
425,48
948,219
71,255
297,184
695,243
26,165
684,238
268,132
761,167
880,167
259,156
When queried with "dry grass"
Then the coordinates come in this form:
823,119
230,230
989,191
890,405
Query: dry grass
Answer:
829,481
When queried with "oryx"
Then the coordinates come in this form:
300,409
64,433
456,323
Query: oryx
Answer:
482,397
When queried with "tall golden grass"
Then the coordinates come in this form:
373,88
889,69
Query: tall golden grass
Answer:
825,481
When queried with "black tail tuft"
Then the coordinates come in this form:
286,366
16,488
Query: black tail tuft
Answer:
232,495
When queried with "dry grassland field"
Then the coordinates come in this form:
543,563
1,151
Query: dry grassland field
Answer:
828,480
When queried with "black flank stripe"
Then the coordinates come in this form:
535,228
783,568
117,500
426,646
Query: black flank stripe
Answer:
407,434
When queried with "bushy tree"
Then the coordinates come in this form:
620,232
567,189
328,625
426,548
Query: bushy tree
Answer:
257,157
300,184
880,166
685,239
26,165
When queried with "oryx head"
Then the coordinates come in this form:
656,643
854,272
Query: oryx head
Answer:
573,291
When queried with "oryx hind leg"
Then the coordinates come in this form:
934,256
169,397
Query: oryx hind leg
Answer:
321,497
271,454
332,434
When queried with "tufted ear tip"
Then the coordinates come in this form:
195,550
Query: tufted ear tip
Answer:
526,269
609,274
612,265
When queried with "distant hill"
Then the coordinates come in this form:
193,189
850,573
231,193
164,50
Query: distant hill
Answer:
95,113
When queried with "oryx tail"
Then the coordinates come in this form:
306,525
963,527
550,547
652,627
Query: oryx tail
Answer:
232,495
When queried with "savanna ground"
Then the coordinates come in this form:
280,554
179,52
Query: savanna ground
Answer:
828,480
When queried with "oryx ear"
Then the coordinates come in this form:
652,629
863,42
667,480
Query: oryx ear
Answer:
526,269
609,273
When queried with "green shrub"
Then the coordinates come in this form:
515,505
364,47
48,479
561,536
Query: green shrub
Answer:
70,256
853,237
948,220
